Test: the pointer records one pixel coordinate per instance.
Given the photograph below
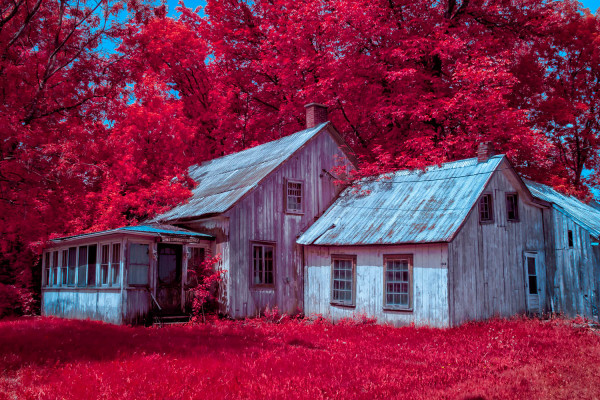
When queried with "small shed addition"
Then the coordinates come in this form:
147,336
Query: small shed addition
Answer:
437,247
572,235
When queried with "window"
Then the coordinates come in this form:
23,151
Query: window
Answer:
56,268
115,264
197,255
512,206
293,196
47,269
570,237
262,264
91,270
63,267
343,280
397,281
82,266
532,275
72,265
486,213
139,264
104,263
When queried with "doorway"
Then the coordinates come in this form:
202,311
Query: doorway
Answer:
168,290
532,283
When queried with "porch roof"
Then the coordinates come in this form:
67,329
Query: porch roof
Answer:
150,229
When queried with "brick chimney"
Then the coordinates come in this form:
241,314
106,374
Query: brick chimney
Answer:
485,151
315,114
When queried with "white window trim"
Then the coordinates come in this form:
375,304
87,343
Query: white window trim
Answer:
386,258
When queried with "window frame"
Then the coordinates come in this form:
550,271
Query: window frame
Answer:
338,303
490,220
570,239
386,258
263,243
101,263
517,213
189,251
112,263
46,268
64,262
55,268
286,194
129,264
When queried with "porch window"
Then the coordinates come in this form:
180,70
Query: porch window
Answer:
262,264
294,196
397,281
486,211
91,269
115,265
512,206
56,269
197,255
63,267
139,264
343,280
104,264
82,266
47,269
72,266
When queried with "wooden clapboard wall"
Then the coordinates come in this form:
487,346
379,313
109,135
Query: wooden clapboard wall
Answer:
261,217
575,278
486,261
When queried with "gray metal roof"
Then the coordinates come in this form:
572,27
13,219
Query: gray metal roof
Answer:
223,181
151,229
422,206
585,215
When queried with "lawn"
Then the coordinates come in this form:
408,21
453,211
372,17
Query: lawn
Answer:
48,358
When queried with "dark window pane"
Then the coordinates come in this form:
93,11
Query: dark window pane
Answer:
91,276
82,266
570,236
533,284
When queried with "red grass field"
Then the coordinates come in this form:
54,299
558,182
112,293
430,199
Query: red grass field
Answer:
47,358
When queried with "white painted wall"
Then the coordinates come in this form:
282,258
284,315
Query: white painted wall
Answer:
430,284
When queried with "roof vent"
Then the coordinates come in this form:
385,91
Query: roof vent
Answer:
485,151
315,114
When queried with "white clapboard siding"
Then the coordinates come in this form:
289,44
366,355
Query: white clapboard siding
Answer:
430,284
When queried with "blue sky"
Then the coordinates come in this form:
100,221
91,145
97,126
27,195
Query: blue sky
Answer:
593,5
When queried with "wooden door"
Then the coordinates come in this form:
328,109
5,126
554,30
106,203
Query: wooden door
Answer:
532,283
169,288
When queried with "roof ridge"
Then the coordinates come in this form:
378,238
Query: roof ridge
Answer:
432,168
315,130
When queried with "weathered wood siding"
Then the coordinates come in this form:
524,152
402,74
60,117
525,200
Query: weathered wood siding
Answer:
430,284
261,217
94,304
486,260
575,278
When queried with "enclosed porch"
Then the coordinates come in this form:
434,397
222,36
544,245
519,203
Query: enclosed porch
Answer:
123,276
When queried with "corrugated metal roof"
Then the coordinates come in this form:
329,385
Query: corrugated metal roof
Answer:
152,229
586,216
223,181
421,206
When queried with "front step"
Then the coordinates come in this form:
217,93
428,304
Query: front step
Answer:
171,319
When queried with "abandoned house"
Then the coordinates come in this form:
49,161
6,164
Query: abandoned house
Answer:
462,241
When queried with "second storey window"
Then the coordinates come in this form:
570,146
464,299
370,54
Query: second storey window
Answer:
512,206
294,197
262,264
486,213
343,280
